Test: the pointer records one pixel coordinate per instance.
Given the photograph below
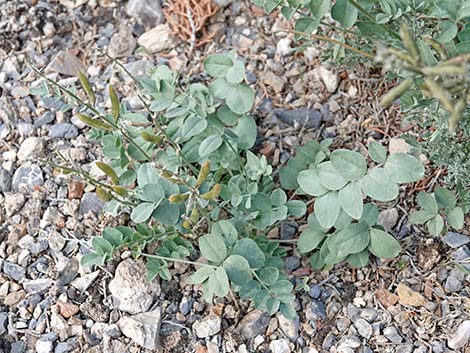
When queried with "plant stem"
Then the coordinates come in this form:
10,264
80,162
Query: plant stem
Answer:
262,284
177,260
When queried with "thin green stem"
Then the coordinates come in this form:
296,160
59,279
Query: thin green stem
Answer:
177,260
263,284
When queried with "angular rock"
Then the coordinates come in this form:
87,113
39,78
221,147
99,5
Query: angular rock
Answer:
329,78
90,203
66,63
456,240
289,327
130,289
279,346
253,324
157,39
208,326
26,177
13,270
82,283
272,80
31,147
461,337
5,180
452,284
391,333
3,323
388,218
43,346
13,203
148,12
143,329
63,130
312,118
363,328
315,310
122,43
398,145
37,285
409,297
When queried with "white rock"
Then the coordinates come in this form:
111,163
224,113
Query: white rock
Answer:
329,78
461,337
13,202
130,289
143,329
397,145
208,326
157,39
310,54
31,147
279,346
289,327
44,346
283,46
388,218
149,12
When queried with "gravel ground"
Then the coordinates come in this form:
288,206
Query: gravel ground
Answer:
48,303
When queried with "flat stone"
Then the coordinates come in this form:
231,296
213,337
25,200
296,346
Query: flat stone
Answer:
329,78
90,203
275,82
312,118
289,327
148,12
461,337
363,328
157,39
253,324
18,347
456,240
143,329
388,218
26,177
31,147
122,43
13,202
66,63
37,285
208,326
5,180
391,333
279,346
315,310
13,270
63,130
3,322
20,91
130,289
453,284
82,283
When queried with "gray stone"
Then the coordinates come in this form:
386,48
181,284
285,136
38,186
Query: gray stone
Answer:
388,218
185,306
279,346
363,328
452,284
67,270
26,177
90,203
13,203
62,347
391,333
122,43
405,348
289,327
31,147
3,323
350,341
130,289
82,283
13,270
353,312
274,81
291,263
148,12
329,341
461,254
253,324
63,130
315,291
143,329
208,326
44,119
5,180
44,346
315,310
456,240
438,347
370,314
222,3
18,347
312,118
66,63
461,336
37,285
157,39
288,230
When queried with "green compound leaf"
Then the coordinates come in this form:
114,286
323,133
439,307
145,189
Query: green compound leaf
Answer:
370,214
350,199
217,65
427,202
351,165
456,218
142,212
236,73
420,217
218,282
269,275
327,209
201,275
296,208
309,182
358,260
152,193
403,168
444,197
213,248
238,269
309,240
344,12
240,98
378,186
248,248
351,240
377,152
383,245
209,145
436,225
329,176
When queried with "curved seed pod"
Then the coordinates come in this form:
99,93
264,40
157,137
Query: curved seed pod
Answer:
187,224
103,195
178,198
440,94
194,218
213,194
171,177
63,171
120,190
401,55
206,168
408,41
87,87
443,70
436,46
108,171
114,102
456,115
98,124
396,92
147,136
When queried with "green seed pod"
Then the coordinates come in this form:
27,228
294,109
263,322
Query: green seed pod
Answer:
147,136
62,171
120,190
213,194
108,171
408,41
456,115
103,195
87,87
443,70
401,55
440,94
206,168
436,46
187,224
178,198
396,92
194,218
94,122
114,102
